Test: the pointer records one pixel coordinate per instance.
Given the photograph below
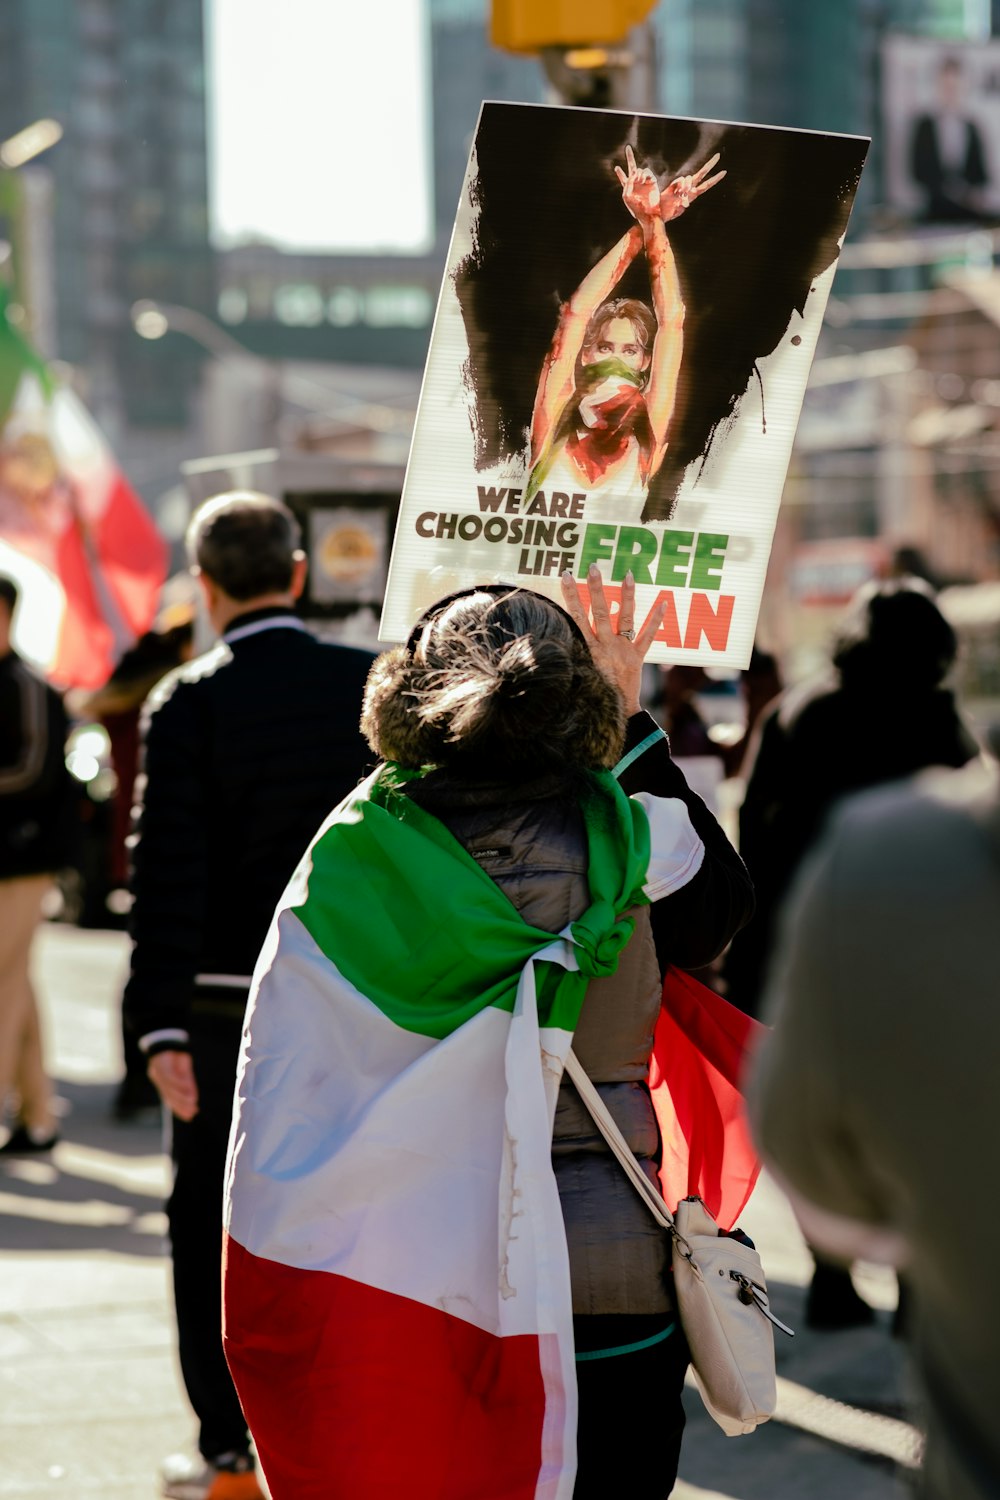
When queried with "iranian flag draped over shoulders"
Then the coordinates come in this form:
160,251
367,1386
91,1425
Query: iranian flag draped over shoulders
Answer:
73,533
398,1314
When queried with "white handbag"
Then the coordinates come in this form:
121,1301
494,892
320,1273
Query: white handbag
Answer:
720,1289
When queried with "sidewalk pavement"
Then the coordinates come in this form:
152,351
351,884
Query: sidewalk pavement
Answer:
90,1397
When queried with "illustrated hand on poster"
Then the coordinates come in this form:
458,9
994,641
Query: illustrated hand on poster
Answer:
677,195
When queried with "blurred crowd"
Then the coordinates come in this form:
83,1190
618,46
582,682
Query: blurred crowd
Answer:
868,820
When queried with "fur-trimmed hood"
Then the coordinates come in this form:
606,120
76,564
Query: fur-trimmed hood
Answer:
400,723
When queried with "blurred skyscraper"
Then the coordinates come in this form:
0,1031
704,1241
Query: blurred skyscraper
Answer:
812,66
377,309
465,70
126,79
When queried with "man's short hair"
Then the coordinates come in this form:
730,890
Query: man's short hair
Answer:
8,592
245,542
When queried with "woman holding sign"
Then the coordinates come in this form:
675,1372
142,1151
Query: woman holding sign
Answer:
431,1255
609,383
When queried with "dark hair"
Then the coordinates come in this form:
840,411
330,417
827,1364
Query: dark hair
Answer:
245,542
499,685
156,651
9,592
894,636
638,314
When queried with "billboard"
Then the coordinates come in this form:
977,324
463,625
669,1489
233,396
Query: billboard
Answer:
941,128
629,312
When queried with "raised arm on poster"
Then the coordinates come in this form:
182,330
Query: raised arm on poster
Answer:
630,407
609,382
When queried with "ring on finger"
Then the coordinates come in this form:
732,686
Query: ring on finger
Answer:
628,635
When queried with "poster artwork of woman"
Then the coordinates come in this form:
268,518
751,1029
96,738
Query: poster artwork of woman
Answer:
608,386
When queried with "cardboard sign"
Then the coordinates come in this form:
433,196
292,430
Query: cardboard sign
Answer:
624,334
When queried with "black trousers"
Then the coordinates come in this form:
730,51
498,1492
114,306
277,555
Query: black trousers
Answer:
194,1212
631,1416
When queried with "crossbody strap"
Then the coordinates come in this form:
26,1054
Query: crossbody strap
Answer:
605,1122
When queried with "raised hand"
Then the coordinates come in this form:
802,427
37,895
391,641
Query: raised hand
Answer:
640,189
681,193
617,648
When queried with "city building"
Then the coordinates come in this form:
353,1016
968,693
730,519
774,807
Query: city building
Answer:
895,457
378,309
129,200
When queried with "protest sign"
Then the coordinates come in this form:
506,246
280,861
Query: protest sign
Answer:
628,316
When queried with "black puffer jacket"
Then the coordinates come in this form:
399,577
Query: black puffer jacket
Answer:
531,839
247,749
37,801
818,743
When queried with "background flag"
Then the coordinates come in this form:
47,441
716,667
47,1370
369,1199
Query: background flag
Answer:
699,1054
66,507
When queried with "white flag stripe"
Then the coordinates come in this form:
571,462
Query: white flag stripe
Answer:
676,851
418,1182
534,1258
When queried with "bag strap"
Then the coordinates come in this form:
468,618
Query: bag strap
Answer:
605,1122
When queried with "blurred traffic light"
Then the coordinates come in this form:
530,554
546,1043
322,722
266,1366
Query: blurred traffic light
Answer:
534,25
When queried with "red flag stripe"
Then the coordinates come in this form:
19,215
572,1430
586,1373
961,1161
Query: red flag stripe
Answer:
351,1391
132,555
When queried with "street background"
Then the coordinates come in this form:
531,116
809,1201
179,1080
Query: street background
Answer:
156,163
90,1398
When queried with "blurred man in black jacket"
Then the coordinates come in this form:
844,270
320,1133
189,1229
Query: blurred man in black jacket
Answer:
246,750
37,821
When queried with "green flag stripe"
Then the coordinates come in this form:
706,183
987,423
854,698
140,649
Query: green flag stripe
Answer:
17,359
410,918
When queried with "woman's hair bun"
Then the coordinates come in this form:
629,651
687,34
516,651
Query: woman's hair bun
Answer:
506,683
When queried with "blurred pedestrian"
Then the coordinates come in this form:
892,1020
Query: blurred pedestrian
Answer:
682,717
117,707
880,714
875,1095
37,821
760,684
246,750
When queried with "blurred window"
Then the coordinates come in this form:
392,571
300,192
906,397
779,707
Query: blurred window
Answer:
95,118
100,221
146,210
189,169
234,304
397,306
98,171
97,72
344,307
97,22
298,306
193,221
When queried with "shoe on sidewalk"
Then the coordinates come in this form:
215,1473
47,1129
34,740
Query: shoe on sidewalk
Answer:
230,1477
23,1140
832,1302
